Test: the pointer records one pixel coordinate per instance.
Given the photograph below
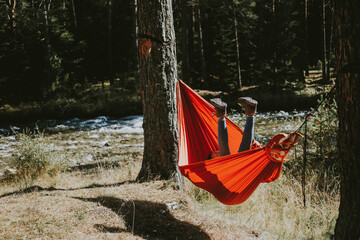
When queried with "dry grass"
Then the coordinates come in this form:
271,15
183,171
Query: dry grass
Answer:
276,210
100,205
98,202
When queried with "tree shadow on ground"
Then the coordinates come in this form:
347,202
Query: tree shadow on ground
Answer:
149,220
50,189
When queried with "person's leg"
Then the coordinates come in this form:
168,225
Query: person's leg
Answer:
220,108
248,135
223,137
250,106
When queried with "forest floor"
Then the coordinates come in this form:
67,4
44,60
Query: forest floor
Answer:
109,204
106,203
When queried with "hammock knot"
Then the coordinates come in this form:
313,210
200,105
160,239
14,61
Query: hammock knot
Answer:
279,145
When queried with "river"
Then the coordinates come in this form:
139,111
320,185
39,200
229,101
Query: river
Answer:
84,141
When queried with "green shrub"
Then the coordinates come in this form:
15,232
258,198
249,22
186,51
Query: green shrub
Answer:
35,157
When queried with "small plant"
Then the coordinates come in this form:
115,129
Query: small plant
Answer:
35,158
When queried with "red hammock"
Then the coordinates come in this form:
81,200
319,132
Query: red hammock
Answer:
233,178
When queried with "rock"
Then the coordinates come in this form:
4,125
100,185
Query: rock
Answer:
172,205
7,173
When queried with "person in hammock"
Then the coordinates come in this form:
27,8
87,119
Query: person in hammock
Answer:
249,105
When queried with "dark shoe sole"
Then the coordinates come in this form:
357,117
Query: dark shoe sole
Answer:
247,100
217,102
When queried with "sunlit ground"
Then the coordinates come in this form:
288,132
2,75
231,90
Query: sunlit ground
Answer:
274,211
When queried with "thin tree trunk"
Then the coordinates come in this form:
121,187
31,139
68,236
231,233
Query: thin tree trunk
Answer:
306,40
109,33
191,42
46,6
135,34
11,13
330,45
324,65
74,13
347,50
237,46
158,76
201,46
275,62
46,76
185,67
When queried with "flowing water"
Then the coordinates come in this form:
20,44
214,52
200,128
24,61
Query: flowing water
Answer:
86,141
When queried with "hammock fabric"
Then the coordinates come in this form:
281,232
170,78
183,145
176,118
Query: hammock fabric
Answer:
233,178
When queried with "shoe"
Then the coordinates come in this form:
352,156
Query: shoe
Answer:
220,106
249,105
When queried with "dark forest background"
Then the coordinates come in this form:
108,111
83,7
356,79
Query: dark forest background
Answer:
51,49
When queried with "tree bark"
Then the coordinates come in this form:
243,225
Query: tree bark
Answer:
275,40
324,62
74,13
347,50
201,46
191,42
109,33
185,66
306,40
237,47
135,35
11,13
158,76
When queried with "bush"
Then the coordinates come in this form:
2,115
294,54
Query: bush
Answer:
35,158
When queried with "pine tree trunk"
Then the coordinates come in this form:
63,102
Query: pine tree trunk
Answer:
324,62
185,66
347,49
109,31
11,13
135,37
158,76
330,45
306,43
47,78
237,47
74,13
275,32
191,42
201,46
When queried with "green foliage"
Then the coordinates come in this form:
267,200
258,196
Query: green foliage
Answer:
44,51
322,151
35,157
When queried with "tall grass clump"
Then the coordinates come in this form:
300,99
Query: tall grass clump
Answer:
35,157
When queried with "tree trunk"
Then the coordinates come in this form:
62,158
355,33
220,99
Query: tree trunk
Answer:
135,34
74,13
191,42
47,78
237,46
201,46
330,45
324,62
158,76
11,13
185,66
306,40
109,30
275,32
347,50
